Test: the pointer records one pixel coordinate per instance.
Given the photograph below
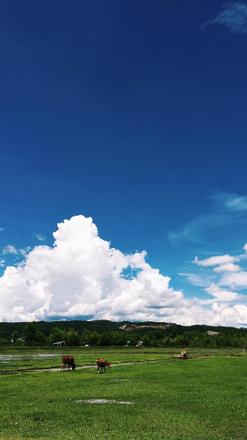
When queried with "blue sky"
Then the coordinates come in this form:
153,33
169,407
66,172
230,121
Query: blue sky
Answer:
132,113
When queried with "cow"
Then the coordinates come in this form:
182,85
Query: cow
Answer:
101,365
69,362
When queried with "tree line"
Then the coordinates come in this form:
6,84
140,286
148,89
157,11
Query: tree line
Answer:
105,333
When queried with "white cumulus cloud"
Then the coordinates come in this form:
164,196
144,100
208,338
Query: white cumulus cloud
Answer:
81,275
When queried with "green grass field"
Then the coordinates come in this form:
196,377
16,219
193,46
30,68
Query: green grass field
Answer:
203,398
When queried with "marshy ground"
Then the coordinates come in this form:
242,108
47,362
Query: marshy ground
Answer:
203,398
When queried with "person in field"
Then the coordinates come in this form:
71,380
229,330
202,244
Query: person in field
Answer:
184,355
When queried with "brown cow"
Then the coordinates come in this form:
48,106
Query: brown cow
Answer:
69,362
101,365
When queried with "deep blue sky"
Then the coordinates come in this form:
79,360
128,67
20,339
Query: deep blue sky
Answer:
132,112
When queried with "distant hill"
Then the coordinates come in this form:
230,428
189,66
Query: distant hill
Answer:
104,332
7,328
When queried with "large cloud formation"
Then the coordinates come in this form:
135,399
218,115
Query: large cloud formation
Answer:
81,275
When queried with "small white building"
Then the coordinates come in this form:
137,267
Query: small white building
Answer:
59,344
139,344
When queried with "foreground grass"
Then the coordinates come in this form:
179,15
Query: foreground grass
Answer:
204,399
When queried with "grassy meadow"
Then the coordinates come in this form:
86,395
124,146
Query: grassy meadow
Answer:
203,398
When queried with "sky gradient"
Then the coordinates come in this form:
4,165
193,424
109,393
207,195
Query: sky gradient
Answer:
134,114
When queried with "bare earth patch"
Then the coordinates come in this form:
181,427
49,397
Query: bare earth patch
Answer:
104,401
119,380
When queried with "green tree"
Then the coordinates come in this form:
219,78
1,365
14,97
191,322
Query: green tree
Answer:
57,335
93,338
32,336
72,337
147,341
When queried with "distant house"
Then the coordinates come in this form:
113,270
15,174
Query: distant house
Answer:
59,344
139,344
127,344
20,340
211,333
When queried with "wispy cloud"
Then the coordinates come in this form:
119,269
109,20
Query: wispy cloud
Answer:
217,260
226,209
228,267
222,280
194,230
198,280
221,294
40,237
25,251
1,229
230,201
10,249
233,16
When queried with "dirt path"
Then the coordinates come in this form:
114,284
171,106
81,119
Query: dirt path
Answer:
90,366
55,369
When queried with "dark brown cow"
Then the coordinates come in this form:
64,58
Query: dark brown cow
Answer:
101,365
69,362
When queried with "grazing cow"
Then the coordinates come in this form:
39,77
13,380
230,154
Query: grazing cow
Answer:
101,365
69,362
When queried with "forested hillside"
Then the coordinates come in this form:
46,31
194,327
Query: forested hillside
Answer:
108,333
